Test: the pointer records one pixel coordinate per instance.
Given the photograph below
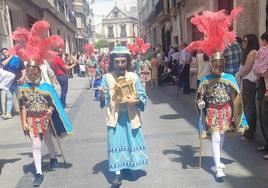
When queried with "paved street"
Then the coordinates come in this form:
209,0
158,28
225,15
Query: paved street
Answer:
169,128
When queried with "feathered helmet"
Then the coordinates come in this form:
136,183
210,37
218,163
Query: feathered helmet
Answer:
35,46
215,27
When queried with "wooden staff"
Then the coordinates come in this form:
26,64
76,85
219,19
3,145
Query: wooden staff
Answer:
58,141
200,138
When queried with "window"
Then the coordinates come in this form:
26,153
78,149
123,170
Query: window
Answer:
116,14
110,31
78,22
123,31
31,21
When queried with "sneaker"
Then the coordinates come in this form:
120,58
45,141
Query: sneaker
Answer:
38,180
7,116
67,106
117,180
222,166
54,164
219,173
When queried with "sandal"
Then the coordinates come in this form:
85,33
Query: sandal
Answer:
265,157
262,148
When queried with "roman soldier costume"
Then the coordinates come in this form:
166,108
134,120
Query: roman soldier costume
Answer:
42,114
218,95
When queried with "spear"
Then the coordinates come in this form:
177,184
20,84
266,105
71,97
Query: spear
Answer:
58,141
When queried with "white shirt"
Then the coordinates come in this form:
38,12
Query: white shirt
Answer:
250,76
6,79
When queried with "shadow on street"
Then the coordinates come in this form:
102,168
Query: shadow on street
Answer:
129,175
6,161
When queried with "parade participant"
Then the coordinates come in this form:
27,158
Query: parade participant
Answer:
145,68
218,90
41,112
126,145
91,71
138,50
97,84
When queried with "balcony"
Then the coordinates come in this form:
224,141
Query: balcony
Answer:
61,5
79,9
123,34
110,35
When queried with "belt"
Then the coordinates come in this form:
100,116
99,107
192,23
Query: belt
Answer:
36,115
218,106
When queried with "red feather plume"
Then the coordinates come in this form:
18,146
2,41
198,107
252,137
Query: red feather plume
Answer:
138,47
36,44
89,50
215,26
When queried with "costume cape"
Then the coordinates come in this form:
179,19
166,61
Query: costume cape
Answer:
241,123
60,120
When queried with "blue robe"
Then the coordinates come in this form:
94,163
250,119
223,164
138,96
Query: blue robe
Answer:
126,146
60,119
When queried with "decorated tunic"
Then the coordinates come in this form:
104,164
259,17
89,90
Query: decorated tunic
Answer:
145,67
217,93
36,104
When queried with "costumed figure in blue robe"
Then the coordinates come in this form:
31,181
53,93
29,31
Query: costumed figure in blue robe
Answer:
218,95
126,145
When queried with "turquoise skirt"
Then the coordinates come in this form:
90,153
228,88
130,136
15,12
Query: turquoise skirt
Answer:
126,146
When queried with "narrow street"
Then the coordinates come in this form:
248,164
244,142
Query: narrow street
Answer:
169,128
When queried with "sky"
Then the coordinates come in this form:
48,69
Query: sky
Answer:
101,8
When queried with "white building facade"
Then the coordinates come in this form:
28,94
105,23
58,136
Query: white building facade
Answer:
117,26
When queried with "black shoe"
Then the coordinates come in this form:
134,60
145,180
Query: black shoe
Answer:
38,180
117,180
53,164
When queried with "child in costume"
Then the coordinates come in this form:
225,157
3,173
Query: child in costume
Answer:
126,145
218,93
91,69
41,111
97,84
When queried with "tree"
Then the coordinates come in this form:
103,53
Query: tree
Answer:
101,44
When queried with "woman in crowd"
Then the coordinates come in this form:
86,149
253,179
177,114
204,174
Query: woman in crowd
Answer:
249,82
154,69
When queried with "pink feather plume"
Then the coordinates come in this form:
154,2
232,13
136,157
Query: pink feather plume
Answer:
215,27
36,44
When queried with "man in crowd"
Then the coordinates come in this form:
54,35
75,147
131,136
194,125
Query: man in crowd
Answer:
263,109
14,65
186,59
60,69
6,80
233,57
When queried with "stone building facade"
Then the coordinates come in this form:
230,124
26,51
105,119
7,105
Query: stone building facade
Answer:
168,22
117,26
24,13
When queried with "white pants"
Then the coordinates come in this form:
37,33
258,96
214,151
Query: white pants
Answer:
36,146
